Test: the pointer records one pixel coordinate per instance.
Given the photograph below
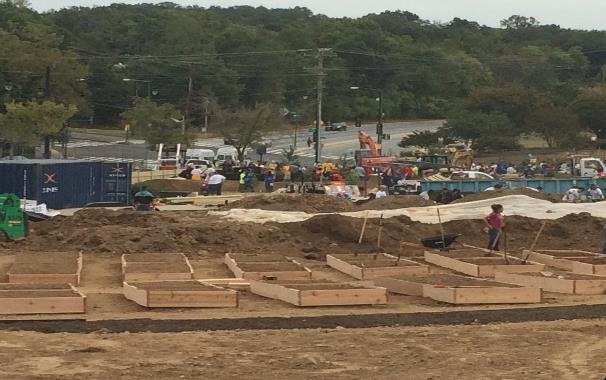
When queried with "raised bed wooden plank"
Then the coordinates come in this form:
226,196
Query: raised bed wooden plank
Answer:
558,282
157,271
277,270
365,267
483,266
57,268
179,294
548,284
458,289
42,301
153,257
595,265
561,259
156,267
320,294
258,257
454,264
229,283
482,295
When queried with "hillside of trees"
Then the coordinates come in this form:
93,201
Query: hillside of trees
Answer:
492,84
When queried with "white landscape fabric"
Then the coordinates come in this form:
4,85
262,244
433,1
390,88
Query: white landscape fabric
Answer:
513,204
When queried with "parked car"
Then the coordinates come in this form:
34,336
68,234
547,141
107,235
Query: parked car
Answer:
336,127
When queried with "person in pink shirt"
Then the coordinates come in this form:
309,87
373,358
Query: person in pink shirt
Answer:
495,222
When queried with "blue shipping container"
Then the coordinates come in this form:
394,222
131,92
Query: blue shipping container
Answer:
64,183
116,182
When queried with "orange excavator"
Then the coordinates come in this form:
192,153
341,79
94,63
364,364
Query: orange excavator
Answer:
368,155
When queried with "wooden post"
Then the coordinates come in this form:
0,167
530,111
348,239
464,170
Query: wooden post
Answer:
441,229
380,231
363,228
536,239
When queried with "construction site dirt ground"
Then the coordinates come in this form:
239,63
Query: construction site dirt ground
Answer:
535,350
525,350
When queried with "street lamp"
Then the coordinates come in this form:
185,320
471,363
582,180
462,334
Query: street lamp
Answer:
136,89
380,116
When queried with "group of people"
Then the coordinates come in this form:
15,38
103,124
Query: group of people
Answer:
578,194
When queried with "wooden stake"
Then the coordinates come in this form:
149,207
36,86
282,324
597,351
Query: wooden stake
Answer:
363,228
536,238
441,229
380,231
505,247
534,243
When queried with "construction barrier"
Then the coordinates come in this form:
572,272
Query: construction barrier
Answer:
142,175
550,186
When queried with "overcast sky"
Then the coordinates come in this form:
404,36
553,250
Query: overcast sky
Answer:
578,14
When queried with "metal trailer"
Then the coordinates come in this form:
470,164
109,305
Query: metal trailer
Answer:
549,186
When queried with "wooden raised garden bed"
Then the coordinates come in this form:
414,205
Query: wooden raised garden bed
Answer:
40,299
369,266
179,294
46,268
590,265
310,293
456,289
561,259
284,269
485,266
557,282
156,267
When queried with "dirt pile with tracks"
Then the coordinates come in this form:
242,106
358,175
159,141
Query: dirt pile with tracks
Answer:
309,203
319,203
125,231
392,203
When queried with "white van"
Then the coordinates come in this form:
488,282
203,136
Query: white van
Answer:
199,154
226,153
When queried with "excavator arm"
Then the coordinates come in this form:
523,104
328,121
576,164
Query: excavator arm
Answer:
366,142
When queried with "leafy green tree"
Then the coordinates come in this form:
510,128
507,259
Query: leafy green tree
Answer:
16,128
558,126
26,123
426,139
590,107
244,127
488,131
157,124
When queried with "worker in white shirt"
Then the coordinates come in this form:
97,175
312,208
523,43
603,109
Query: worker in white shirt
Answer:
381,193
215,183
572,195
595,193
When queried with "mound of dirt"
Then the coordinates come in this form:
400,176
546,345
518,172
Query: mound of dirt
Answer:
310,203
501,193
126,231
157,186
391,203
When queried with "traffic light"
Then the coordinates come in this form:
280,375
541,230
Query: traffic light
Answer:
358,123
379,128
315,136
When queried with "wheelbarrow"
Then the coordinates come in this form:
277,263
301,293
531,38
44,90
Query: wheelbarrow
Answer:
439,242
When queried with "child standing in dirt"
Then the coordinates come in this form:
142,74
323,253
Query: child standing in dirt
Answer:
495,221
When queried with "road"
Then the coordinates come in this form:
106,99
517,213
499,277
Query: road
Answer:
110,146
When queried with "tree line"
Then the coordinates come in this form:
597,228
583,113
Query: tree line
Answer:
219,67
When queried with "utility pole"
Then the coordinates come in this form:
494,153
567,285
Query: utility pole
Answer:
47,94
380,125
320,84
190,86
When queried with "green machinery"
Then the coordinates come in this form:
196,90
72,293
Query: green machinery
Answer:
13,221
